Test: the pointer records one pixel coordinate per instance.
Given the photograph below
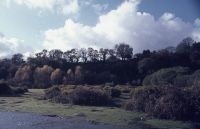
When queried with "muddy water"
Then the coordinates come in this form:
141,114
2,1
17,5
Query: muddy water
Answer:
14,120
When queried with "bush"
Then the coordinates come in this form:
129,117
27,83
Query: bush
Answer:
168,76
78,95
195,102
143,98
124,88
54,93
20,90
166,102
194,79
91,97
113,92
172,105
6,90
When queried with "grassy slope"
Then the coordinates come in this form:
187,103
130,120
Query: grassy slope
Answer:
30,102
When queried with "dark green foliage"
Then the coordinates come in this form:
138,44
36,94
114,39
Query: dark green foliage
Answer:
166,102
173,104
112,91
194,79
143,98
147,65
169,76
19,90
6,90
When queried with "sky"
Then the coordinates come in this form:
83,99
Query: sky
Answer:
29,26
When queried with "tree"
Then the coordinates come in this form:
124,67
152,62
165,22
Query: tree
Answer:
77,55
83,53
184,46
147,65
72,55
112,55
56,77
17,59
42,76
93,54
103,54
124,51
24,75
195,54
69,78
78,74
55,54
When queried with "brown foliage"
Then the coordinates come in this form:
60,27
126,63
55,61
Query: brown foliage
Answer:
92,97
56,76
24,75
42,76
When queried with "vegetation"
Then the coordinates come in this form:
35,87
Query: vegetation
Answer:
166,102
90,66
32,102
105,77
82,95
6,90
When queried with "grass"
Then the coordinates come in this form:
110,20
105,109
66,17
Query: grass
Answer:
32,102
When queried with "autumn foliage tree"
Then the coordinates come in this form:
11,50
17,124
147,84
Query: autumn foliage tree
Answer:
24,75
56,76
42,76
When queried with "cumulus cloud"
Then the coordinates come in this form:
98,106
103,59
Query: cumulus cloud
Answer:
196,33
125,24
67,7
11,45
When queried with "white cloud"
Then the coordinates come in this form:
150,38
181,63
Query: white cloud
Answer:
196,33
67,7
11,45
124,24
71,7
43,4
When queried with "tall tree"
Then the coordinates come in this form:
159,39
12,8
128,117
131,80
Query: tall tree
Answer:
124,51
103,54
17,59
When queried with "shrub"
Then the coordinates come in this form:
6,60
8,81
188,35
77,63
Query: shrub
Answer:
54,93
112,91
195,102
124,88
78,95
20,90
172,105
115,92
168,76
166,102
6,90
143,98
86,96
194,79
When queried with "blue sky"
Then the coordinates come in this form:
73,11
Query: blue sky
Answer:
32,25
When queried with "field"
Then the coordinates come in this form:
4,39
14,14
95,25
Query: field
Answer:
33,102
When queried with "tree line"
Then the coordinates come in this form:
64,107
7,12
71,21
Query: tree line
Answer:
90,66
